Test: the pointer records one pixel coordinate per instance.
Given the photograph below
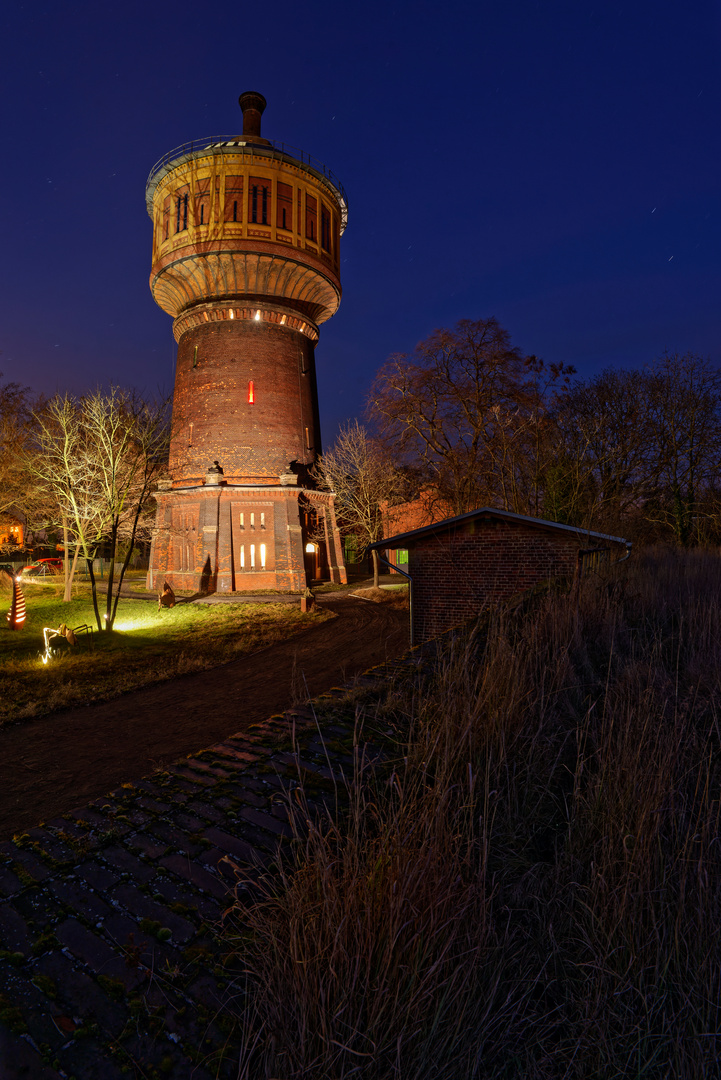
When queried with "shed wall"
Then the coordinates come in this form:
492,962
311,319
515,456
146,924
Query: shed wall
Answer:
456,573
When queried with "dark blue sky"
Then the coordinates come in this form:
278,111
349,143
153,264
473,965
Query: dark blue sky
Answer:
556,165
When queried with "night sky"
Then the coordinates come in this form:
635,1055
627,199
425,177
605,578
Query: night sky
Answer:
553,164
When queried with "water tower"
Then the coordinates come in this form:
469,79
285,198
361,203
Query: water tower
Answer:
246,258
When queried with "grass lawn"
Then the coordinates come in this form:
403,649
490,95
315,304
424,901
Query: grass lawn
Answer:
147,646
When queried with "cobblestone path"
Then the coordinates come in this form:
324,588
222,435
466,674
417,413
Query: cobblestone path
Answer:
111,964
51,763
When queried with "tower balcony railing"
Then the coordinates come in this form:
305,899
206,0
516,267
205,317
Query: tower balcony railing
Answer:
235,144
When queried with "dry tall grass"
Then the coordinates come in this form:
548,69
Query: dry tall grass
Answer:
534,890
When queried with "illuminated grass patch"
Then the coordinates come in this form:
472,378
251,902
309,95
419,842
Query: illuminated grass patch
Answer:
147,646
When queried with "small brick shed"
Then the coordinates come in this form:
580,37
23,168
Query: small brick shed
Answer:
459,565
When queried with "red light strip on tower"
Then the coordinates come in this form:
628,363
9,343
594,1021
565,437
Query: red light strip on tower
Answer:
251,394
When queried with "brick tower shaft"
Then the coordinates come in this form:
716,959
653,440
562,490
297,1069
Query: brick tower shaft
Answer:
245,392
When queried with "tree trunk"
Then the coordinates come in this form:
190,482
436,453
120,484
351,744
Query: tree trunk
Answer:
376,569
71,575
126,562
94,588
111,577
68,593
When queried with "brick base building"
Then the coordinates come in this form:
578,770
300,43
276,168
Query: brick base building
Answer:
239,538
460,565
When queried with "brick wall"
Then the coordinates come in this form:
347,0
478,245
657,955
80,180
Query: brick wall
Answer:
213,530
212,417
455,574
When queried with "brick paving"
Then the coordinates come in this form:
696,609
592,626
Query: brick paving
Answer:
111,955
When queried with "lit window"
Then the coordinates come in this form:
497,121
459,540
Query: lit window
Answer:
242,556
309,549
262,556
252,556
262,520
402,557
252,521
251,394
242,521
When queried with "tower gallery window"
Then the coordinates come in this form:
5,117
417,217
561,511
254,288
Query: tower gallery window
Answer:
202,201
259,200
181,212
311,217
324,229
284,208
234,198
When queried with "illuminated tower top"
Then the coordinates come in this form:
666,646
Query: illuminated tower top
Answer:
243,217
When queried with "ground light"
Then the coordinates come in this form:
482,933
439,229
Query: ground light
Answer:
64,632
133,624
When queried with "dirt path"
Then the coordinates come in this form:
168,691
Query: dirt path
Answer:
58,762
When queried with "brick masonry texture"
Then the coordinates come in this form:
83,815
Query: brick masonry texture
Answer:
212,417
212,529
456,573
111,957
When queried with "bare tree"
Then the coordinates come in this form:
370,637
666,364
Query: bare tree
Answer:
601,470
642,448
685,421
470,410
98,457
362,475
15,417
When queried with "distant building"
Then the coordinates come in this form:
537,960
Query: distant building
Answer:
12,531
426,509
461,564
246,258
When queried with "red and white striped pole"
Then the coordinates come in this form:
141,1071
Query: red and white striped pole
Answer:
16,614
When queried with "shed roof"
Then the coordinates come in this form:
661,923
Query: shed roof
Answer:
491,512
